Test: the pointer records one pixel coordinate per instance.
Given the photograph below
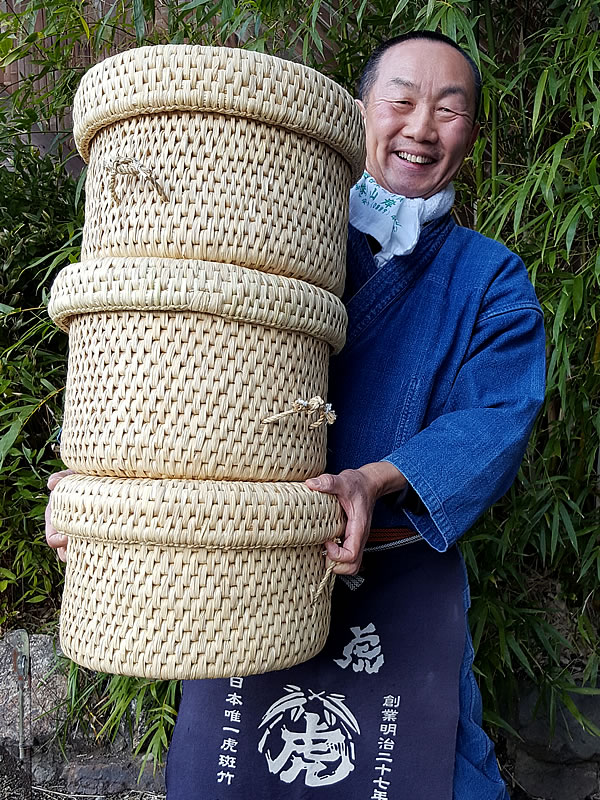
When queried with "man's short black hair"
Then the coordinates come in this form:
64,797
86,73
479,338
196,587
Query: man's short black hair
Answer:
369,73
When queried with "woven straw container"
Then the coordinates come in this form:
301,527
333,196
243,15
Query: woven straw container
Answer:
218,154
186,369
193,579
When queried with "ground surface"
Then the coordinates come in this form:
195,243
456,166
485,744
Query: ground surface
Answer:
14,785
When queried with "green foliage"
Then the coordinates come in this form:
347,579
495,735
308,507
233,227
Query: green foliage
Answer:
106,705
532,182
536,556
39,227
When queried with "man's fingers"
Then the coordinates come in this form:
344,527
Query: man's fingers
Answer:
352,492
57,541
348,555
343,567
345,564
58,476
350,549
54,538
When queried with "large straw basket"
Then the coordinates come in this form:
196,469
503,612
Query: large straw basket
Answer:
181,369
193,579
218,154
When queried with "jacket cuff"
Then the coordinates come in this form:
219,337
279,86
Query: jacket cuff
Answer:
427,514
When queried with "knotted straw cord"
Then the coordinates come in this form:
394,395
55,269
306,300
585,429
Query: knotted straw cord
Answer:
126,165
327,414
324,580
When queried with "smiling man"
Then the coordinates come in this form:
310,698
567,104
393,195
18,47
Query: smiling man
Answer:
436,392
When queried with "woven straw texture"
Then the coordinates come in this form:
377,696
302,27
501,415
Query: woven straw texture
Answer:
184,395
218,154
177,579
221,189
225,290
168,78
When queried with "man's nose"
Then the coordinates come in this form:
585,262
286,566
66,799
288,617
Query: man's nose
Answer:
420,125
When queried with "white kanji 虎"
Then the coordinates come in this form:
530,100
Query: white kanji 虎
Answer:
310,734
363,651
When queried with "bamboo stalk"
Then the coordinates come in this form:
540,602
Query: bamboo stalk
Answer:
479,161
491,43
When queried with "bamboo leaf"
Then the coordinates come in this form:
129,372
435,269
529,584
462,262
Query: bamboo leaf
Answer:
584,721
577,294
194,4
314,14
361,11
80,185
593,174
491,718
139,22
569,226
569,527
565,300
10,437
317,40
400,6
555,531
539,95
520,653
571,230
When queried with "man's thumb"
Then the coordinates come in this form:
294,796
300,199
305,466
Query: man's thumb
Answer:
322,483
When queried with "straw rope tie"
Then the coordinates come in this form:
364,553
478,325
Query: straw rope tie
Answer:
324,581
315,404
131,166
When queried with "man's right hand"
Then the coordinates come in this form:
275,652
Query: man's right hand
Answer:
56,540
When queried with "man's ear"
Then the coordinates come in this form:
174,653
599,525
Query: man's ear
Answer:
474,135
362,108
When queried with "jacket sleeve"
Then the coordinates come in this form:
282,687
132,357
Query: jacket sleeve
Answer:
468,457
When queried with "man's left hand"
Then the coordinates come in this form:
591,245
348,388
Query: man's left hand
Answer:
357,490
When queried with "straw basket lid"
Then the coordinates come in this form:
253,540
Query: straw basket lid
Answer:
224,290
231,515
222,80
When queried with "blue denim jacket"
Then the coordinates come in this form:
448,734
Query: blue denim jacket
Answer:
442,375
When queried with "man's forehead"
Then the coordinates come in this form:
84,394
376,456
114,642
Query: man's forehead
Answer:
404,63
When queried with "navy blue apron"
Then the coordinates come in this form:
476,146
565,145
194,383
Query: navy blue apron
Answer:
374,715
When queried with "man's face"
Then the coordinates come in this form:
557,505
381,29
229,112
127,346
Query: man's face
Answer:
419,117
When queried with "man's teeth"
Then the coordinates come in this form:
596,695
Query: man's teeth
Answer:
415,159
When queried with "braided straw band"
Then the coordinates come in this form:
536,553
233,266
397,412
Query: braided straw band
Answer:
243,83
224,290
184,579
225,515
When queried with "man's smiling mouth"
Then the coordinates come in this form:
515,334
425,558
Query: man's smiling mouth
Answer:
414,159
